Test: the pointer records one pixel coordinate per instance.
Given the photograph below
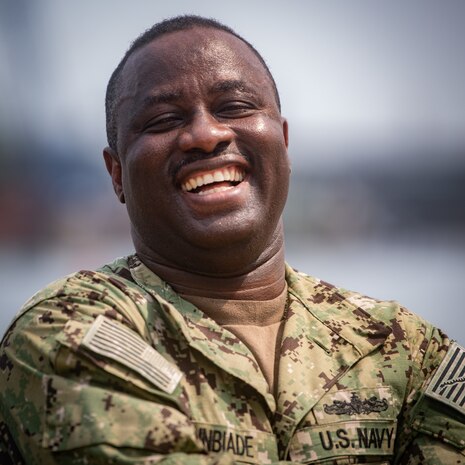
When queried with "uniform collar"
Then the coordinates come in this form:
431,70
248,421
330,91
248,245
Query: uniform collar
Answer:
326,334
338,312
201,332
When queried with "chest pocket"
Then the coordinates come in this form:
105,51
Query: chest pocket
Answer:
353,426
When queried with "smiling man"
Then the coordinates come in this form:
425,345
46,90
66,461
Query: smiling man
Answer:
204,347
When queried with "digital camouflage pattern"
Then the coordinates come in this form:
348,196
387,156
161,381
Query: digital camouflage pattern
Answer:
352,385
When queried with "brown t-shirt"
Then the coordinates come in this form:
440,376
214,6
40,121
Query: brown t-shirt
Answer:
257,323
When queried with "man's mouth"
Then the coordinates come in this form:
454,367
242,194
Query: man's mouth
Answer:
213,181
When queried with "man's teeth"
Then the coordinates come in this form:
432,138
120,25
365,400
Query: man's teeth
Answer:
215,189
225,174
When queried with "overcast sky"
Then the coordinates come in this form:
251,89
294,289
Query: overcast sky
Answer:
350,73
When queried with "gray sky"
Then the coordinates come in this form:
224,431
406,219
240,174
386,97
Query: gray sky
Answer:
351,74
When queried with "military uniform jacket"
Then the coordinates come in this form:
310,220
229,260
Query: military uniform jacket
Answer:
113,367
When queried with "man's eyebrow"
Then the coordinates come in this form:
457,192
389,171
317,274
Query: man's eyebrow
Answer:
231,84
159,97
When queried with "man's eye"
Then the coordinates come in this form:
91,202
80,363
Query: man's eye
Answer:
236,110
163,122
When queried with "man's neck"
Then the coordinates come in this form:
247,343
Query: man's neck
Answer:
262,280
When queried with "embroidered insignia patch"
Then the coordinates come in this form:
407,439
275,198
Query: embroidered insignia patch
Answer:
448,383
356,405
113,340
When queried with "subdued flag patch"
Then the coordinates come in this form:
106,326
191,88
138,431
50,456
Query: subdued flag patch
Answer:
448,383
113,340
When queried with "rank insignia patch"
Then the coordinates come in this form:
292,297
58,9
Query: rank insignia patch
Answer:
448,384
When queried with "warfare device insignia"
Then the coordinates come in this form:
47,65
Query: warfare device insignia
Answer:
356,405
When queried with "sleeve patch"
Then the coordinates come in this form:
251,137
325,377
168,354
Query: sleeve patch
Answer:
448,383
111,339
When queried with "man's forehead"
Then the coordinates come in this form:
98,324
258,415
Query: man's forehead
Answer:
190,50
197,39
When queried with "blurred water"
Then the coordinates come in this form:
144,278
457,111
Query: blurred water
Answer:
427,277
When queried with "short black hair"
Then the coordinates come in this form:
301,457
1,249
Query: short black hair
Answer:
178,23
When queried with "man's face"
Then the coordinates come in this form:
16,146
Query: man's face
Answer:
202,147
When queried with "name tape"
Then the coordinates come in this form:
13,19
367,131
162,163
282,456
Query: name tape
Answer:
248,446
369,438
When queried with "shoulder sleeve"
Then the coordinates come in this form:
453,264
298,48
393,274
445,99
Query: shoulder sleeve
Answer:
433,429
59,405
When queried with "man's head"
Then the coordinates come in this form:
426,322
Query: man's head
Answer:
201,152
178,23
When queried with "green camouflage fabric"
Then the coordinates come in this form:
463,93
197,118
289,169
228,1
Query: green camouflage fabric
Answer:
113,367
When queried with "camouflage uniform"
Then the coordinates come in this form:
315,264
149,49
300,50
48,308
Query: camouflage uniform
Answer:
113,367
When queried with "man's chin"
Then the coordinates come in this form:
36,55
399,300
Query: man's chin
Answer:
222,233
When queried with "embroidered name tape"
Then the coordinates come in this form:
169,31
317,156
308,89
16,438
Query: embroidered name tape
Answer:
113,340
363,438
448,383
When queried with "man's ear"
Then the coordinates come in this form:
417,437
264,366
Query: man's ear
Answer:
286,139
285,131
113,164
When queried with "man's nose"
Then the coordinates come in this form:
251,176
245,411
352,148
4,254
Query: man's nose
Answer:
204,133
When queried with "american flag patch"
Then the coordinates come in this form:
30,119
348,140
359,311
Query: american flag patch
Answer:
111,339
448,383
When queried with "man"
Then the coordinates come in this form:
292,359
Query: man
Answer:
204,347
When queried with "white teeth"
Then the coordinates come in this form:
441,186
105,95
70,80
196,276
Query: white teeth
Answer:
226,174
215,189
208,179
218,176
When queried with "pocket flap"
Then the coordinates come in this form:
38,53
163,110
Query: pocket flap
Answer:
80,415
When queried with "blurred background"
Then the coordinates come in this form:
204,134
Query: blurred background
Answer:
374,93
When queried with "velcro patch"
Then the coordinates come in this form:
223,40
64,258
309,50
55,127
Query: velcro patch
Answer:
448,383
367,438
249,446
113,340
